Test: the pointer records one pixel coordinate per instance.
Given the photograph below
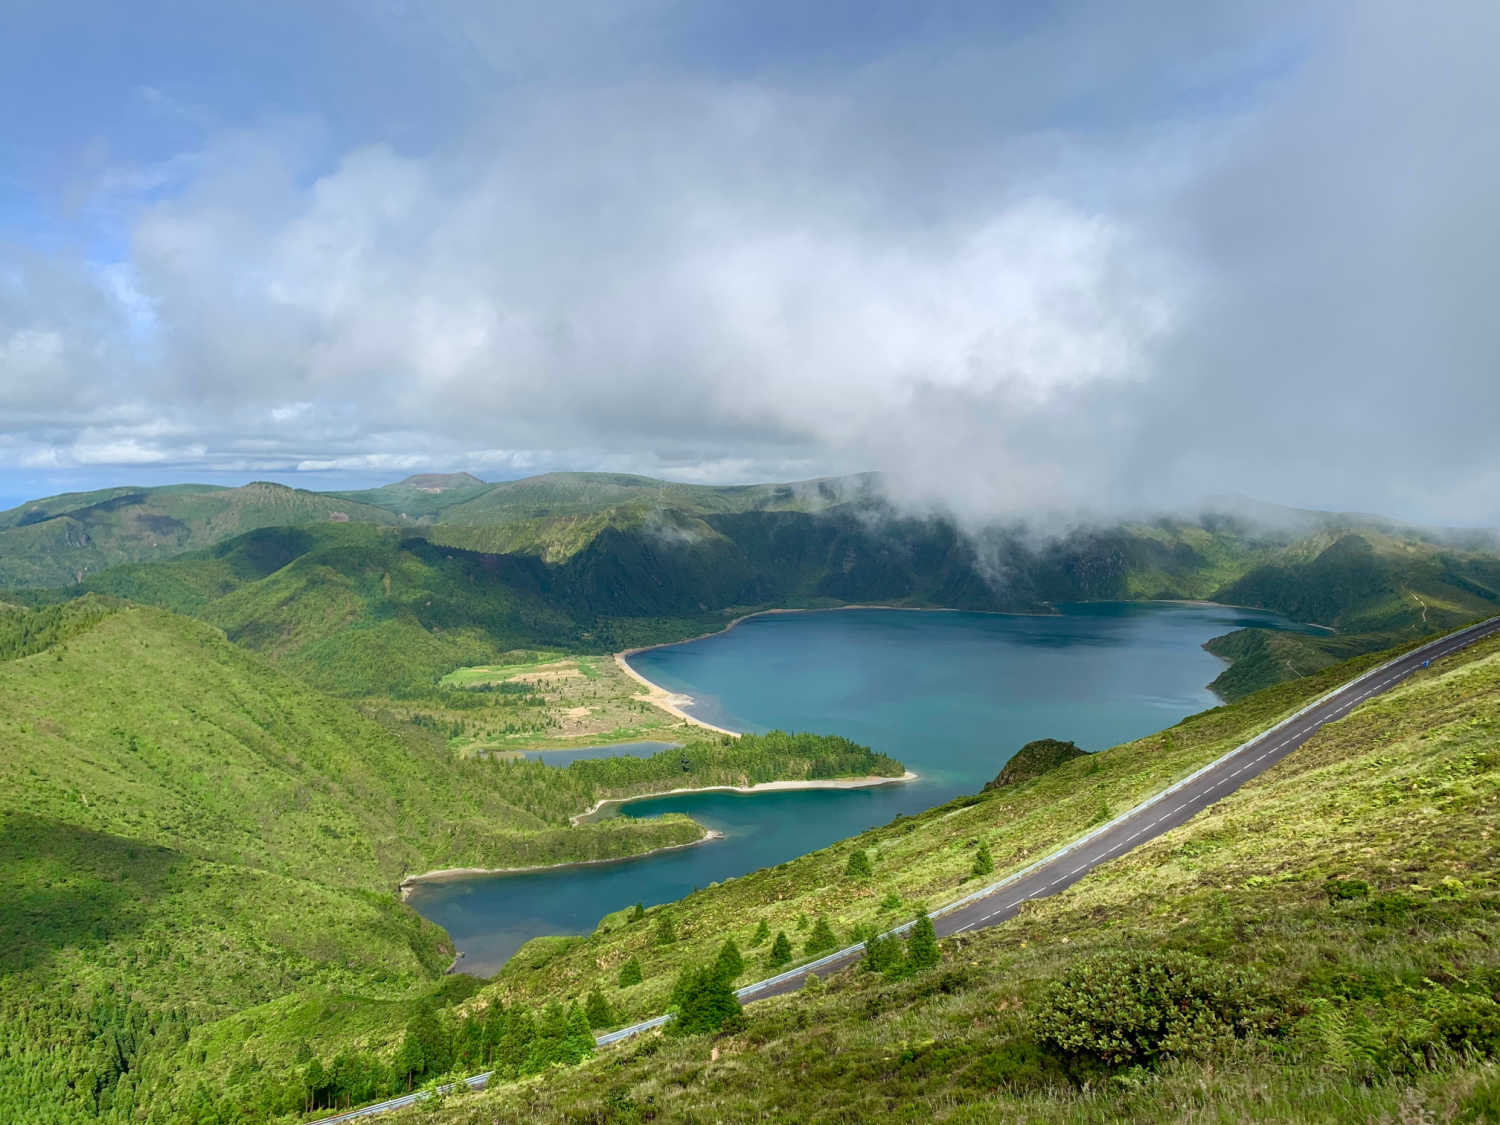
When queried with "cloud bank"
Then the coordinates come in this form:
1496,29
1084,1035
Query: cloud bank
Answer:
1066,258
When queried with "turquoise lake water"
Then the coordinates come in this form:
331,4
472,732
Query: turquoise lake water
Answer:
952,695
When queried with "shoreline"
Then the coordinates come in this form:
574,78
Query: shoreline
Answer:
449,874
868,782
673,703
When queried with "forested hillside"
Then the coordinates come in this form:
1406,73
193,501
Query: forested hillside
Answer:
203,855
592,563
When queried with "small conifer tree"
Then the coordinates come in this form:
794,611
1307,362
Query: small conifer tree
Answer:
666,933
781,950
883,954
730,964
762,932
822,939
703,1000
597,1010
578,1040
921,944
858,866
630,973
637,912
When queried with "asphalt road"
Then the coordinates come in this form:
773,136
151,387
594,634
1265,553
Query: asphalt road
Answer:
1175,805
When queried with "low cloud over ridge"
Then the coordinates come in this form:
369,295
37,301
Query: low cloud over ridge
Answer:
1080,259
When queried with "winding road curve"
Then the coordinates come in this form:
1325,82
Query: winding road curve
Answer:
1175,805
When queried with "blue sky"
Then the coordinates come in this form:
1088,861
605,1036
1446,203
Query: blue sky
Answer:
1027,256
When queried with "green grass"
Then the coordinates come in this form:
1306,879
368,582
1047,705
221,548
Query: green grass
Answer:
1397,807
197,844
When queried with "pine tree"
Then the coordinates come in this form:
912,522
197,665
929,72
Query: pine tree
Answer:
578,1042
762,932
730,964
666,934
703,1000
781,950
514,1050
630,973
551,1042
822,939
984,863
637,912
858,866
597,1010
883,954
921,944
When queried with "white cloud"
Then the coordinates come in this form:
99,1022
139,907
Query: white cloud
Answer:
1120,259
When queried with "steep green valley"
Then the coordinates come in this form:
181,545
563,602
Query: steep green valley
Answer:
192,837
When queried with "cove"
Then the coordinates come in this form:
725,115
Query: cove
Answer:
952,695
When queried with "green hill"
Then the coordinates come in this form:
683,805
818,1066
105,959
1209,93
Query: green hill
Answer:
440,571
187,834
203,850
63,539
1319,946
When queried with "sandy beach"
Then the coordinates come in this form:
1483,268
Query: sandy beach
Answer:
762,787
446,873
673,702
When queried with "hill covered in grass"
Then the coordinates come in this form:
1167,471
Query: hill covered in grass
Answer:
1320,945
198,845
63,539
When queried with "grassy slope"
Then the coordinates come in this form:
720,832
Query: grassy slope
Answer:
62,539
1404,795
182,823
921,859
214,846
1376,587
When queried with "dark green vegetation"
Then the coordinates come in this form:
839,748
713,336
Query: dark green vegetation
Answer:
438,572
1322,945
202,855
511,1042
203,849
1033,760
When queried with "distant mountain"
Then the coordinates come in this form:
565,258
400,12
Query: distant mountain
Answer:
381,589
63,539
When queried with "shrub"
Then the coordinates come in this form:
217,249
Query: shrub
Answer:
630,973
1344,890
1022,1066
984,863
1131,1009
858,866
